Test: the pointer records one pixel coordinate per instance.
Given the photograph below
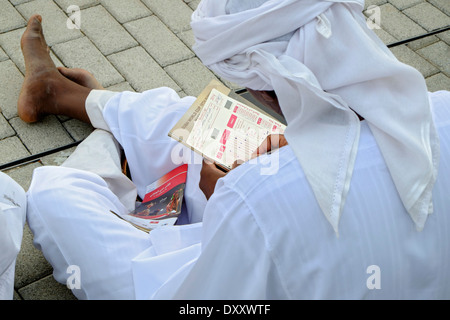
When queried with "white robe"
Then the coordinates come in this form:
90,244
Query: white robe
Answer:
12,220
260,236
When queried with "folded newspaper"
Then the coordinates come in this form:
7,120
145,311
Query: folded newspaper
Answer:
162,203
224,127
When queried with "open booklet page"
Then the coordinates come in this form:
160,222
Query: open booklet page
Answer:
224,129
162,203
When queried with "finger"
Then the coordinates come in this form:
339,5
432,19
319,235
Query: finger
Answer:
274,142
283,141
263,148
208,162
71,74
210,166
75,74
236,164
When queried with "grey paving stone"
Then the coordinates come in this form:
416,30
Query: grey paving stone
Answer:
54,20
12,149
159,41
9,90
125,11
10,42
191,75
31,265
58,158
16,2
9,17
81,53
16,297
438,82
389,38
443,5
369,3
62,118
421,43
445,36
140,70
78,130
187,37
22,175
386,37
404,4
182,94
41,136
56,61
428,16
120,87
194,4
174,13
229,84
398,24
408,56
3,55
46,289
104,31
439,55
5,129
64,4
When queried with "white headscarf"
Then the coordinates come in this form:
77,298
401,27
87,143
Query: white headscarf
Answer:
329,63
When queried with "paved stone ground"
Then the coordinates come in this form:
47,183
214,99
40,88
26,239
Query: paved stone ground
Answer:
138,45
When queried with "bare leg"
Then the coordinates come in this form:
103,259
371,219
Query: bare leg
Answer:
45,89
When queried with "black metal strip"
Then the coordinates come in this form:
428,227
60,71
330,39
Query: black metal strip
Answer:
36,157
395,44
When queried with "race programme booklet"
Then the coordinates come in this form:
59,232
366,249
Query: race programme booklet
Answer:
224,127
162,203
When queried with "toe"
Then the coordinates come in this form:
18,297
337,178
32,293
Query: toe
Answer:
35,21
33,30
35,24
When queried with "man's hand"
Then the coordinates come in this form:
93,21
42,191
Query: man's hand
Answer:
208,178
210,173
271,143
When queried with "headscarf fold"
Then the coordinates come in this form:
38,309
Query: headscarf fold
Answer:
325,64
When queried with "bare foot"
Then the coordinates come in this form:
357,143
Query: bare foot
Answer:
39,67
45,89
82,77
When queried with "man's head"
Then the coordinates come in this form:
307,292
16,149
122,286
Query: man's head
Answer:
268,98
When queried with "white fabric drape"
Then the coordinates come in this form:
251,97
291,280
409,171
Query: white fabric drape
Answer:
13,205
69,206
332,64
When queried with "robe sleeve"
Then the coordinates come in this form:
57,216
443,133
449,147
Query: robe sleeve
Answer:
141,122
